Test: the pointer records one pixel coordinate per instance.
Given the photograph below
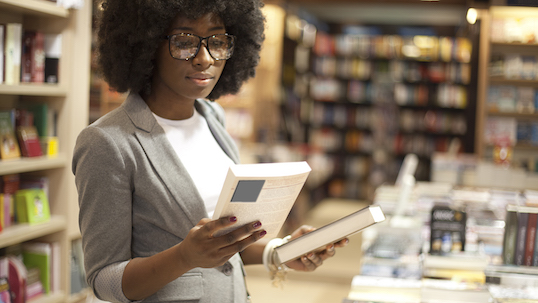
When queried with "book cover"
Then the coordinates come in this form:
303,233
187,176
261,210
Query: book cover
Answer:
330,233
13,51
17,279
38,255
9,148
29,141
32,206
262,191
531,236
33,57
523,219
510,235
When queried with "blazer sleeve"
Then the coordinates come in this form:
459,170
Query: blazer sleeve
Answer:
105,218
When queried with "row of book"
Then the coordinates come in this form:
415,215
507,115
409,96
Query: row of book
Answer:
519,242
443,95
514,66
28,131
23,200
29,55
358,141
512,99
510,131
514,30
423,48
367,118
392,70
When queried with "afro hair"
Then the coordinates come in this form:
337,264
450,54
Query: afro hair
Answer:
129,32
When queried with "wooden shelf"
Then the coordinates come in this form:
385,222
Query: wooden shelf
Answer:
33,89
517,44
24,165
514,115
50,298
504,81
24,232
34,7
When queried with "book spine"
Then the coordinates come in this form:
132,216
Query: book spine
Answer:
13,53
509,240
2,48
531,236
521,237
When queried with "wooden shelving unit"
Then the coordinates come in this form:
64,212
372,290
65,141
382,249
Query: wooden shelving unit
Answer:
70,98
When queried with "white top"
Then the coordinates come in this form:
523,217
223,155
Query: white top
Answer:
201,155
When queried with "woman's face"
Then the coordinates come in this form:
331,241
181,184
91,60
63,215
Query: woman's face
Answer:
186,80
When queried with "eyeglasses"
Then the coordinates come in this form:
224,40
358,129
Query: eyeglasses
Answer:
186,46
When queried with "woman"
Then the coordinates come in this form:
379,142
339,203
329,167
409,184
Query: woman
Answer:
149,173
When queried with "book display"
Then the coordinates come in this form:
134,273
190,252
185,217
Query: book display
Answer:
43,107
507,116
368,95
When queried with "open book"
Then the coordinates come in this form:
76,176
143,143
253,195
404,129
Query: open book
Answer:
261,191
330,233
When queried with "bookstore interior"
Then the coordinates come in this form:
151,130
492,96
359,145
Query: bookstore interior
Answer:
426,110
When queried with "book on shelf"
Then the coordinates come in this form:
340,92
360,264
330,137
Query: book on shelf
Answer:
32,206
33,57
29,141
262,192
330,233
9,148
39,255
12,54
53,52
2,48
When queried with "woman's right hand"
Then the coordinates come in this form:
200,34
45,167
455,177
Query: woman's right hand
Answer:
201,249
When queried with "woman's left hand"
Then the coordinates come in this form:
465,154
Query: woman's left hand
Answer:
314,259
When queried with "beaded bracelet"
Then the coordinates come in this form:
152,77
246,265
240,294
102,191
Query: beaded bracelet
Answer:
277,272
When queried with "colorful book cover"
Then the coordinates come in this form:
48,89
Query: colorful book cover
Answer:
13,53
32,206
29,141
38,255
9,148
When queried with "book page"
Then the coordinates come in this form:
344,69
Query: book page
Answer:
268,199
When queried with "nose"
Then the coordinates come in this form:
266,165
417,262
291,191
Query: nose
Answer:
203,59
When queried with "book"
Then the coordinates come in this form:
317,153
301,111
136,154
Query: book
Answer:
17,279
29,141
330,233
531,237
32,206
33,57
9,148
39,255
510,235
521,237
2,47
13,49
261,191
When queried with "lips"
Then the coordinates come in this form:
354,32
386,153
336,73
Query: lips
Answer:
201,79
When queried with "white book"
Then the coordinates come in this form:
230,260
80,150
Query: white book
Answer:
261,191
13,52
330,233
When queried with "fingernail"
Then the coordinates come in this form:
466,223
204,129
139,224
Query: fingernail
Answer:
331,248
263,233
310,255
233,219
305,259
257,224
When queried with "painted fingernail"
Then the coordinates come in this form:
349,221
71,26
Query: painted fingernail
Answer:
305,259
263,233
331,248
257,224
310,255
233,219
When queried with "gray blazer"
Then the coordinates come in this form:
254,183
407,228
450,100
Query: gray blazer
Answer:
137,199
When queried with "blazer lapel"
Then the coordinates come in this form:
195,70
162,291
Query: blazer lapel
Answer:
163,157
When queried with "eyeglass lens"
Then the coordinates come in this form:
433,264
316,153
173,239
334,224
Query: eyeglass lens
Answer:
186,46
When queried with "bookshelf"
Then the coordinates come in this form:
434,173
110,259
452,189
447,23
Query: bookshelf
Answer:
69,98
367,96
505,56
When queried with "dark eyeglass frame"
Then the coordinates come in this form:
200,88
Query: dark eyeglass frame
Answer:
169,38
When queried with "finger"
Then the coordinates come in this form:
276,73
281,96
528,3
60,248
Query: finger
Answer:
328,253
239,233
315,258
239,246
308,264
213,226
342,242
